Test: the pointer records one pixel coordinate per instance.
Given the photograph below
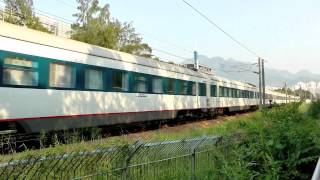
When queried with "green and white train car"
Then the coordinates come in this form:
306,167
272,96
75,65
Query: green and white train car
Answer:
51,83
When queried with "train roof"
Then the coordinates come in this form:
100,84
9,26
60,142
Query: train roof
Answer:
50,40
33,36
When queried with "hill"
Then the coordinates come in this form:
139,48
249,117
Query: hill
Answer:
238,70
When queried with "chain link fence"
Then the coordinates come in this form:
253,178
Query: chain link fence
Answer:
178,159
55,26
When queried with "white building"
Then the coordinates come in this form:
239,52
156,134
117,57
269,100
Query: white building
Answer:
312,86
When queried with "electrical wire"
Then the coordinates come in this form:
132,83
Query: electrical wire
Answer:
150,36
221,29
240,70
67,21
67,4
43,13
170,54
166,42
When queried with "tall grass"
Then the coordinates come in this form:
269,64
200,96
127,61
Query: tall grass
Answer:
282,144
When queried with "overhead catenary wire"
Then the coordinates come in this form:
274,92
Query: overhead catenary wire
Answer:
149,35
170,54
222,30
67,21
185,59
172,45
67,4
43,13
244,65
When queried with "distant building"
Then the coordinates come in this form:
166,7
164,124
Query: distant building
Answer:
311,86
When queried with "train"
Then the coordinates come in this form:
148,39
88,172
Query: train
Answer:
50,83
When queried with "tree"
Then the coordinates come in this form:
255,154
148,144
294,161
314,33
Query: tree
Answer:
20,12
94,26
131,42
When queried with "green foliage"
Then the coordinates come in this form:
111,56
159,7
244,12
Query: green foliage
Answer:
20,12
314,110
282,144
94,26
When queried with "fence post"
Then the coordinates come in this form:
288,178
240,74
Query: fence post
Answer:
137,145
316,173
193,158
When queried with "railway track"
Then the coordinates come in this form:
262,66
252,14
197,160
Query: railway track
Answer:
11,142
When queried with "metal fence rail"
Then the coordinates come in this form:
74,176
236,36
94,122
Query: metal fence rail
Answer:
56,26
180,159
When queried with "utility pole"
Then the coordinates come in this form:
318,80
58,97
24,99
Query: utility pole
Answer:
196,61
300,93
286,91
263,85
260,90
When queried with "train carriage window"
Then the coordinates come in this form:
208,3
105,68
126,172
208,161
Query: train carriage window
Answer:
225,92
120,81
20,72
93,79
183,87
213,91
234,93
157,85
251,95
202,89
170,86
62,75
222,92
229,92
140,84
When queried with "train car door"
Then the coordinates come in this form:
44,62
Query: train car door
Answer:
208,95
198,95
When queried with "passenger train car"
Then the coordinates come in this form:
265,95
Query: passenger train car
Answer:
52,83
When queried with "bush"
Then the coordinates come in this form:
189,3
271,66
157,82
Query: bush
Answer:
314,110
282,144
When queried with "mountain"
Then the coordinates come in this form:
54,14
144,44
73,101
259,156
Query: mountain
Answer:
233,69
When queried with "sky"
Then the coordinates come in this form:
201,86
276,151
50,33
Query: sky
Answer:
284,32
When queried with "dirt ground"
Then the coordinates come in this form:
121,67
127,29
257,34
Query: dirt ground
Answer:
176,128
